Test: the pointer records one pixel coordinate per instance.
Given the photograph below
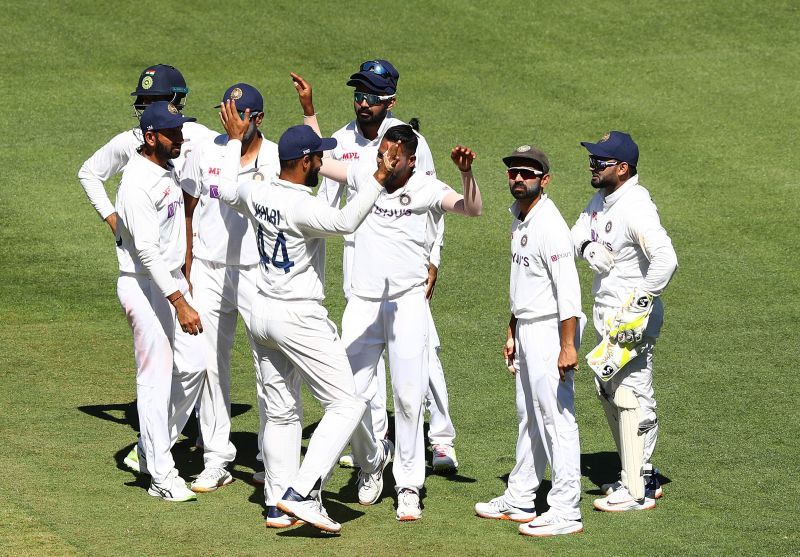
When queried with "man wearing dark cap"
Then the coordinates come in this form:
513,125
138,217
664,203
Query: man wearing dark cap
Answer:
375,95
151,247
222,266
620,236
294,338
159,82
541,351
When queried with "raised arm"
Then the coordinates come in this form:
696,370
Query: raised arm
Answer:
469,204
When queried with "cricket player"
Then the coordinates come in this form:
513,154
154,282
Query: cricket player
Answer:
387,309
620,236
294,338
541,350
375,95
159,82
222,266
151,245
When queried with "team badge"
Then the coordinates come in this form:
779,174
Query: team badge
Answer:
523,149
405,199
524,240
147,82
236,94
258,177
608,226
605,137
171,108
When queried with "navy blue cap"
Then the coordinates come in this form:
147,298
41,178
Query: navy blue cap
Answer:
160,80
615,145
162,115
299,141
246,96
379,76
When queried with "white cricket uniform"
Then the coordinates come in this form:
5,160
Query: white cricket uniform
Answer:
224,274
151,244
627,224
387,310
352,146
544,291
294,337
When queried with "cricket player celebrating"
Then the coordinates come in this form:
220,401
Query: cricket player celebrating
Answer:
375,95
156,83
223,268
294,337
151,246
387,308
542,351
620,236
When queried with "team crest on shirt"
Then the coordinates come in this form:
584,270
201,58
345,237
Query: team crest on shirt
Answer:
608,226
236,94
405,199
524,240
171,108
258,177
147,82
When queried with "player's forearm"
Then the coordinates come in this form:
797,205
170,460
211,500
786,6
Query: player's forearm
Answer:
229,174
568,328
96,192
438,245
341,221
473,202
335,170
150,256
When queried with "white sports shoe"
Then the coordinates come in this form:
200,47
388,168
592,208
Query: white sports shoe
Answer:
500,509
276,518
211,479
135,461
550,524
260,477
309,510
408,506
346,461
444,458
173,488
621,500
610,488
370,484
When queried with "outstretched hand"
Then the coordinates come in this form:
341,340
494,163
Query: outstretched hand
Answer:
463,157
234,126
303,93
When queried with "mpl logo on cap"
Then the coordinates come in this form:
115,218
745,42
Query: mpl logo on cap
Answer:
236,94
171,108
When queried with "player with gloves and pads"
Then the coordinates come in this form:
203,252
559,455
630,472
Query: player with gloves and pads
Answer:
620,236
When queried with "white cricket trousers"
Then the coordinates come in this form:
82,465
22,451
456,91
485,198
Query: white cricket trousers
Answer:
170,368
548,431
637,375
222,293
399,326
296,341
441,430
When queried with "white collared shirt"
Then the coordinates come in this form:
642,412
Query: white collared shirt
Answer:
222,235
544,280
393,245
151,232
112,157
627,224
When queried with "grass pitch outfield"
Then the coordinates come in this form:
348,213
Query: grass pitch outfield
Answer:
708,89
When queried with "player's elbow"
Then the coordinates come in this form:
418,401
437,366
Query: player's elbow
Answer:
473,210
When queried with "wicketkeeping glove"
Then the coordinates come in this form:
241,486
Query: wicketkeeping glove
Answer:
608,357
629,323
599,258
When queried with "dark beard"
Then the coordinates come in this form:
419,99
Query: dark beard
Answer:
162,153
312,178
528,193
250,133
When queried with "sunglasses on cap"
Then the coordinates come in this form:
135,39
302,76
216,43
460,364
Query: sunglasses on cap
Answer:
371,98
599,164
526,173
252,115
375,67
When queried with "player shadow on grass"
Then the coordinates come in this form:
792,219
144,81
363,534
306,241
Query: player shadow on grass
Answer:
603,467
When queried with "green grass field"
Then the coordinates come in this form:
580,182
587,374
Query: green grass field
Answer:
708,89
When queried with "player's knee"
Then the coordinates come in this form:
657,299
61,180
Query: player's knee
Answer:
283,416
